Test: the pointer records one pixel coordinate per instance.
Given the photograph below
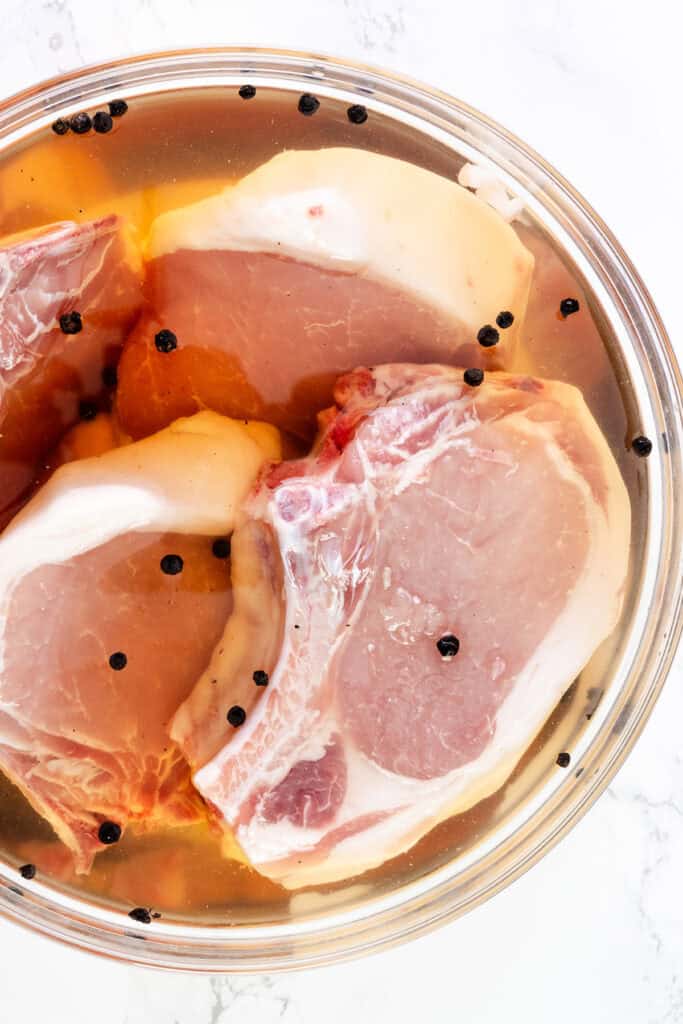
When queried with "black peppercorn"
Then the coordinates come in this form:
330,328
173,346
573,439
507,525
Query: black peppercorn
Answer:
80,123
71,323
236,715
474,377
563,759
117,108
308,104
28,871
110,377
642,446
357,114
87,410
247,92
109,832
260,677
165,341
569,306
221,547
141,914
60,126
171,565
488,336
118,661
102,122
448,645
505,319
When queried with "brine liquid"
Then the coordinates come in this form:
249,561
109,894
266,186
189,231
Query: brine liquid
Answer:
170,151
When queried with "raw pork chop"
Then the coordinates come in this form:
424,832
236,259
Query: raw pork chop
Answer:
429,511
92,268
80,580
316,261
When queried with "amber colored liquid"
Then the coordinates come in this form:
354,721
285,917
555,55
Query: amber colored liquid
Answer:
169,151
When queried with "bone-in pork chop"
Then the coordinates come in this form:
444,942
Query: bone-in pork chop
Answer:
315,262
91,269
450,558
111,601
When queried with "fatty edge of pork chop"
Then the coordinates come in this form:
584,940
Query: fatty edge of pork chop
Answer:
400,808
354,212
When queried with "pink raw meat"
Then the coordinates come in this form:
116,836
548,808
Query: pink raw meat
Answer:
100,641
495,514
316,261
93,268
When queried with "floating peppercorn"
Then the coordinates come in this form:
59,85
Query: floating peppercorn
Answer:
563,759
236,715
102,122
80,123
71,323
247,92
117,108
171,565
110,377
221,547
448,645
569,306
109,832
141,914
308,104
357,114
60,126
87,410
642,446
260,677
118,661
28,871
474,377
165,341
488,336
505,319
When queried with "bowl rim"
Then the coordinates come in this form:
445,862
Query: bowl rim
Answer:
416,908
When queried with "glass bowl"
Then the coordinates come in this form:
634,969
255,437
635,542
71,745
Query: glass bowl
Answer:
322,934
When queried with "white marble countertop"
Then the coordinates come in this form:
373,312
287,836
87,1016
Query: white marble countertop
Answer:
595,931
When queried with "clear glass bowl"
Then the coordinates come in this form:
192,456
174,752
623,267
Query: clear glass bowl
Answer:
636,672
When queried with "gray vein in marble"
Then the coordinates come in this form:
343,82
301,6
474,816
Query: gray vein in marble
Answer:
647,919
377,29
73,31
656,805
63,28
659,824
230,994
674,1015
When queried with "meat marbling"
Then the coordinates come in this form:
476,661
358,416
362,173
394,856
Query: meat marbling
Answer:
428,507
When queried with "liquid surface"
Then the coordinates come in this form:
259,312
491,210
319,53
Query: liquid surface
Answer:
167,152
